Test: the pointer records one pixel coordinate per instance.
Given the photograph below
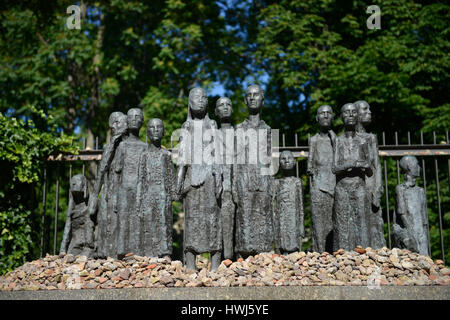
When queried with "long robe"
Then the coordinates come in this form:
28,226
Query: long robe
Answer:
323,182
375,191
351,200
253,191
107,220
155,192
202,222
410,221
289,214
81,231
126,167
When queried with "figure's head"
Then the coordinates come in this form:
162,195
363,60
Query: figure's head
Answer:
122,125
325,116
364,114
78,183
287,160
135,119
113,119
349,114
198,101
117,123
410,165
155,129
254,98
224,108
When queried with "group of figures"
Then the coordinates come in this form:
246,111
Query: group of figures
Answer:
237,208
346,188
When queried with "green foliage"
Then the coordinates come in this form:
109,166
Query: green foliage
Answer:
22,149
321,52
15,237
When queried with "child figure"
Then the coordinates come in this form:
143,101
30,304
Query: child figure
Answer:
155,193
410,219
288,208
78,238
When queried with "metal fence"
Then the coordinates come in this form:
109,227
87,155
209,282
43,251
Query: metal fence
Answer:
433,157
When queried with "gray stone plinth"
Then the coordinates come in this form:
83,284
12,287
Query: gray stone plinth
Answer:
240,293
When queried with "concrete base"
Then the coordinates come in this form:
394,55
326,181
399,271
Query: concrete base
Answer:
240,293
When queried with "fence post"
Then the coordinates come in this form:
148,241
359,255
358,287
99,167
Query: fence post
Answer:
55,232
387,196
436,170
44,202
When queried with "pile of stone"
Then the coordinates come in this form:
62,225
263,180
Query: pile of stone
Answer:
362,267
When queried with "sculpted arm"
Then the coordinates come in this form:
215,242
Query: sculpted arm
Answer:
183,154
424,209
140,182
400,206
171,177
301,211
378,173
310,164
339,166
67,228
217,169
276,216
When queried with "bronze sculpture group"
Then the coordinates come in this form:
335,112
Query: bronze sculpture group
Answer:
234,207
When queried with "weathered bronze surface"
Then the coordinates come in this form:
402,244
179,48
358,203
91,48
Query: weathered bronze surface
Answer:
78,237
410,219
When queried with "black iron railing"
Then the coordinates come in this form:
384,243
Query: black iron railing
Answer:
430,156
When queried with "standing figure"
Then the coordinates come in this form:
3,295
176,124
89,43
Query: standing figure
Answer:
106,218
252,182
323,181
224,110
126,167
155,193
374,182
351,163
198,184
289,214
78,238
410,219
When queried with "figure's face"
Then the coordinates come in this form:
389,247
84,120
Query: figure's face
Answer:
198,101
349,115
364,114
224,108
122,125
254,98
325,116
135,119
414,168
113,121
77,184
287,161
155,130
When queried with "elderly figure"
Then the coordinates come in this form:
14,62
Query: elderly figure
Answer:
126,167
410,219
351,163
224,111
323,181
107,222
155,193
198,183
252,180
78,238
373,182
289,214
